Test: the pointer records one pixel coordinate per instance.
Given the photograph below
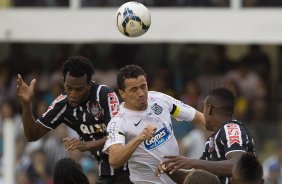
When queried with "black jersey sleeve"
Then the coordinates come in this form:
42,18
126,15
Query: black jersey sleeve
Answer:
109,102
234,138
53,116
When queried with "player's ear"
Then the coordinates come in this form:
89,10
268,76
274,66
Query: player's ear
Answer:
121,92
209,109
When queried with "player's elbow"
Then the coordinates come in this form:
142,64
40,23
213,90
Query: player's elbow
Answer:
115,163
30,138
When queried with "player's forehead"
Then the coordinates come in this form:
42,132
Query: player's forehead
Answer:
135,82
76,82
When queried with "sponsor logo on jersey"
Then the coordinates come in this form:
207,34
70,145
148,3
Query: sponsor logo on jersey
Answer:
90,129
157,109
160,137
233,134
113,103
137,123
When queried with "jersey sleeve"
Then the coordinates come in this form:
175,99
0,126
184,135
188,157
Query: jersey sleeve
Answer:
109,102
116,134
178,109
53,116
233,138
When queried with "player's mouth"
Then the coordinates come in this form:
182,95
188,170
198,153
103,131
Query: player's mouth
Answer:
73,103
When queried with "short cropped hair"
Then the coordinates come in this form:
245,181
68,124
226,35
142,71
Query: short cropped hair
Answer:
223,99
77,66
127,72
248,170
67,171
199,176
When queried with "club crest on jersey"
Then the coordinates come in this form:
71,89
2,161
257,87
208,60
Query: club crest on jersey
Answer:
157,109
95,110
160,137
211,145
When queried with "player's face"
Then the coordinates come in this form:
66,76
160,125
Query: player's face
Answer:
135,93
77,89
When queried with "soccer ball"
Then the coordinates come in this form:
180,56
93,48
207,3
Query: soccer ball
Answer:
133,19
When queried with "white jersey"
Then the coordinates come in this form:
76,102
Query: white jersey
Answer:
127,124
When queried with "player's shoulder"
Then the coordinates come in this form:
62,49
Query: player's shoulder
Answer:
157,95
101,87
60,100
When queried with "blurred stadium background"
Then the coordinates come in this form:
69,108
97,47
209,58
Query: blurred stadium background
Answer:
192,47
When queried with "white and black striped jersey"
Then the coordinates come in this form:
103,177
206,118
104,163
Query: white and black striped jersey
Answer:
127,124
231,137
89,119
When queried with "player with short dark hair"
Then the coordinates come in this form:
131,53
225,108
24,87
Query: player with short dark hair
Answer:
141,133
230,139
198,176
248,170
67,171
85,106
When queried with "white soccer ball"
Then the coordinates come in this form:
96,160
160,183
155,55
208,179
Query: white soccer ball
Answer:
133,19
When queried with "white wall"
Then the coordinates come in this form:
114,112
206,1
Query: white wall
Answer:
210,25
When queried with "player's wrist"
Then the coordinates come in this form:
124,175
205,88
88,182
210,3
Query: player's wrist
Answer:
141,138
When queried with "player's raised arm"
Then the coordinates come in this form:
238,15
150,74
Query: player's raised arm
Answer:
119,154
33,130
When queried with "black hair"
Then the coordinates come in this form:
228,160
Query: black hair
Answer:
249,169
199,176
67,171
77,66
223,99
127,72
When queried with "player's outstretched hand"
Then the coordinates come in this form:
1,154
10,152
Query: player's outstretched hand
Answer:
72,144
147,133
160,170
25,92
176,162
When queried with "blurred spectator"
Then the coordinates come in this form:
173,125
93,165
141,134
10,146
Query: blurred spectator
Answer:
210,77
241,103
223,61
106,72
22,178
59,55
162,81
53,145
192,95
259,62
54,89
89,51
252,88
193,144
188,58
272,166
67,171
39,171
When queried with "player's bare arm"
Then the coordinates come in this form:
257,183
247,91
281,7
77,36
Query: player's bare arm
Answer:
200,119
33,130
220,168
178,176
120,154
72,144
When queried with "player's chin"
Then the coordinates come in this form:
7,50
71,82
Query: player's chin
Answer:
143,105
